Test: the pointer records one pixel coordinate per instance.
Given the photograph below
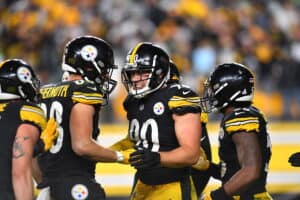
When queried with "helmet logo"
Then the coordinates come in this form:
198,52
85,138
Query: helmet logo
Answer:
89,53
24,74
158,108
141,60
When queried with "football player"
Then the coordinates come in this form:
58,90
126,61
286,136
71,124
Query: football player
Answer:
245,147
21,122
163,123
199,172
69,167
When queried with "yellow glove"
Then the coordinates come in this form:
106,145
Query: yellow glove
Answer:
202,163
123,144
123,156
217,195
50,133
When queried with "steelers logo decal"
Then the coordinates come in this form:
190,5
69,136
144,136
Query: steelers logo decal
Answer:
24,74
89,52
158,108
79,192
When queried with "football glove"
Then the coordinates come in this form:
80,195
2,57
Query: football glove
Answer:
202,163
214,170
144,158
123,144
50,133
123,156
218,194
294,159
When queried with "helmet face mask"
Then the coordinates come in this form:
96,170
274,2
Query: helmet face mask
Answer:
18,81
93,59
151,63
208,101
230,84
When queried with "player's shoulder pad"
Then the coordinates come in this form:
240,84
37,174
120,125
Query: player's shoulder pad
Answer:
33,114
242,120
183,99
86,92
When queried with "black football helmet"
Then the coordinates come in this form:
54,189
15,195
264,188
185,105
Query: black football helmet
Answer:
18,81
174,73
229,84
146,58
93,59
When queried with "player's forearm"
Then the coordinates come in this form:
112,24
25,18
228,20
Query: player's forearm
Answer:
93,151
179,157
23,187
241,180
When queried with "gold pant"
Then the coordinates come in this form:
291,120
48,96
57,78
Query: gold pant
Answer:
169,191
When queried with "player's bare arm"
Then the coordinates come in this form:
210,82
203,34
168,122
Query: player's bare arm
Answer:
82,142
249,155
26,137
188,133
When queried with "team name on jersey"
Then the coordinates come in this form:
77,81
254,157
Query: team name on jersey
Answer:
60,91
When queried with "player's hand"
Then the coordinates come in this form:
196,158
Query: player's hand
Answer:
144,158
218,194
125,155
294,159
49,135
202,163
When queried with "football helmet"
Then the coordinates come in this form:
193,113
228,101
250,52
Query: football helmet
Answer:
229,84
93,59
174,73
18,81
146,57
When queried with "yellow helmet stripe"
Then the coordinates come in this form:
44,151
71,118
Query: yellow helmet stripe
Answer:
131,58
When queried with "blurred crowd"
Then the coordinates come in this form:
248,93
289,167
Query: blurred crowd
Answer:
198,35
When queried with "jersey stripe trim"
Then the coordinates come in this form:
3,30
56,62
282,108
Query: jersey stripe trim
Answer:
177,101
87,98
33,114
242,124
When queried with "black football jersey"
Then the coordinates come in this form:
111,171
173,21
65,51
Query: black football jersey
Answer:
244,120
151,125
205,142
58,101
12,115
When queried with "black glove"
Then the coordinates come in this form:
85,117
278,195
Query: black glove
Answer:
144,158
294,159
215,170
219,194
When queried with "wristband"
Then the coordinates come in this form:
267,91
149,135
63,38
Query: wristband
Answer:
120,156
